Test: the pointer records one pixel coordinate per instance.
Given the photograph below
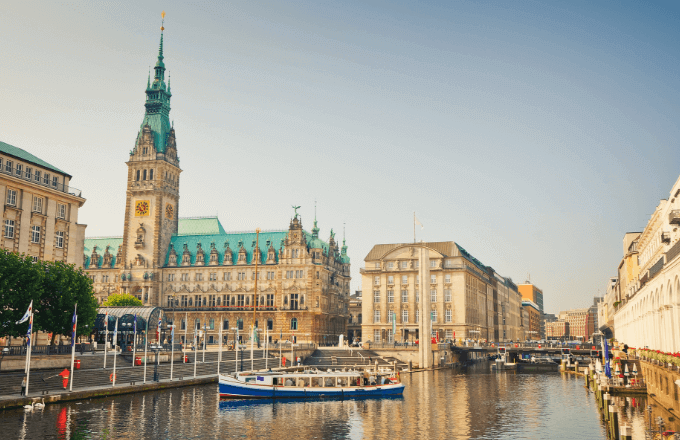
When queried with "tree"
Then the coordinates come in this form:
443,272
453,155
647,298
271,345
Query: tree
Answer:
64,286
21,281
53,286
122,300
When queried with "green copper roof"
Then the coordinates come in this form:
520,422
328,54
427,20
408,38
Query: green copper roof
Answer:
199,226
209,230
28,157
221,240
472,259
101,242
157,114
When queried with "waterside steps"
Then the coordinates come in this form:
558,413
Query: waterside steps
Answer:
351,358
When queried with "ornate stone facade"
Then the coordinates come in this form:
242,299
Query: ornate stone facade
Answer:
202,275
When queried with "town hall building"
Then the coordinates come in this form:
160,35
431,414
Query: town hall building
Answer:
203,276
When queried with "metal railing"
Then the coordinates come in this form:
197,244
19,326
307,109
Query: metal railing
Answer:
20,350
31,178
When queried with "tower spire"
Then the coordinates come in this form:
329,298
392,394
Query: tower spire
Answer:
315,229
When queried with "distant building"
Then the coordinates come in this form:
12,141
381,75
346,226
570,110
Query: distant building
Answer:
580,324
533,329
355,317
557,329
532,293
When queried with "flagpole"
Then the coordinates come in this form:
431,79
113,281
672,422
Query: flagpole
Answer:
280,353
106,335
205,337
172,349
414,226
219,354
134,343
28,348
236,346
266,346
186,325
195,349
146,343
252,343
73,346
115,351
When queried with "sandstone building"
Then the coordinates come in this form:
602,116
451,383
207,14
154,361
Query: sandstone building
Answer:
467,299
202,275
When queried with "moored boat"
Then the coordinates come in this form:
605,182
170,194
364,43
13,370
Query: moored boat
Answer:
309,384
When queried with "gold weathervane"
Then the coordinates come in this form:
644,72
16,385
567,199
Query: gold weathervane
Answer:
162,20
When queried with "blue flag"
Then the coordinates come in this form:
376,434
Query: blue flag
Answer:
30,327
135,332
27,314
607,368
75,322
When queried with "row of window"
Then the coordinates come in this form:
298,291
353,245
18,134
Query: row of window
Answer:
142,174
448,316
416,264
241,300
210,324
404,279
38,176
240,276
377,335
38,203
35,234
404,296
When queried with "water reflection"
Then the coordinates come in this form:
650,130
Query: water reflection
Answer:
439,404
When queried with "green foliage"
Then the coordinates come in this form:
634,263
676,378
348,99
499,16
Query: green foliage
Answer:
55,288
122,300
21,281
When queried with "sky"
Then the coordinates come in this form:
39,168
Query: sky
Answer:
534,134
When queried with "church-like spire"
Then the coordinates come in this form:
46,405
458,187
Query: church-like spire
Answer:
157,115
315,229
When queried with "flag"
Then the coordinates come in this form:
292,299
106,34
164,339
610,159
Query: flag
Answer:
30,326
417,222
135,332
172,333
27,314
158,332
115,333
607,368
75,323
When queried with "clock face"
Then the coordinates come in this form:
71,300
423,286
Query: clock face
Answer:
169,211
142,208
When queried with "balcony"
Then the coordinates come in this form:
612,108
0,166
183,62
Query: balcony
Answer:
674,217
22,175
666,237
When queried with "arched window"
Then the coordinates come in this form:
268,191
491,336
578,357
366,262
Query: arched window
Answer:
151,174
212,324
137,174
248,300
144,175
293,324
270,324
183,324
198,323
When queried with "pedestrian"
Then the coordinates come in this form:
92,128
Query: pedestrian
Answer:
23,386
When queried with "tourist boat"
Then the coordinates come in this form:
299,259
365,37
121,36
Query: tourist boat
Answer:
309,384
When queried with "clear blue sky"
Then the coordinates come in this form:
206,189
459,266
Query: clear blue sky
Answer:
535,134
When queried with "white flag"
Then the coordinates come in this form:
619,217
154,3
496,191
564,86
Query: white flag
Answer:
418,222
27,314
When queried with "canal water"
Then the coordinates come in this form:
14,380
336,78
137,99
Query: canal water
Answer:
440,404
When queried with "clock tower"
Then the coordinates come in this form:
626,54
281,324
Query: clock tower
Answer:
152,196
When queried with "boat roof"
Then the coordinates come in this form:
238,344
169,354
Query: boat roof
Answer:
304,373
